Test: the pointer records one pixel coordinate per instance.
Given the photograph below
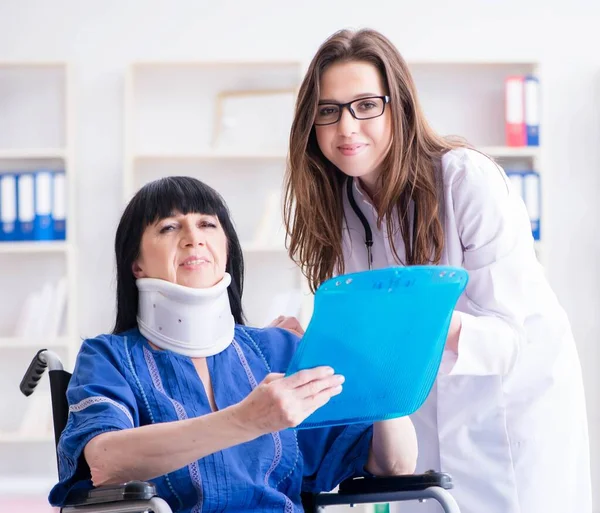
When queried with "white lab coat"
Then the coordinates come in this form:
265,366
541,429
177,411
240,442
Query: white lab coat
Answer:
507,418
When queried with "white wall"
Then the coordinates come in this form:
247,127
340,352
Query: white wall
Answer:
100,38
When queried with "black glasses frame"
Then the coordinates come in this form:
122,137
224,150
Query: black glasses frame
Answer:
386,100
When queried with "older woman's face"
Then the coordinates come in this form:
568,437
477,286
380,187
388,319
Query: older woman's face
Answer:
190,250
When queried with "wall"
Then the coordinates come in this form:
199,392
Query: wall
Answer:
100,39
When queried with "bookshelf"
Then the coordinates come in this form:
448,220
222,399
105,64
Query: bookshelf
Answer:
36,103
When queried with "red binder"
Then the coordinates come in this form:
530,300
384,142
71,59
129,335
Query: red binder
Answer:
516,133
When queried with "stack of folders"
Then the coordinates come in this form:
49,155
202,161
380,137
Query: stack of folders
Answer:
527,184
522,111
42,313
33,206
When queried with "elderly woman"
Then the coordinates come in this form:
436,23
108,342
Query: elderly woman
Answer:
186,396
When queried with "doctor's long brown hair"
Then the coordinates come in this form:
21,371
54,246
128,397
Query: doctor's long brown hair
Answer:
313,202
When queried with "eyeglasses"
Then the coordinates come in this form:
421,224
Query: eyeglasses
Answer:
362,108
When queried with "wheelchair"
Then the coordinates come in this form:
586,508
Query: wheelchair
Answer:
141,497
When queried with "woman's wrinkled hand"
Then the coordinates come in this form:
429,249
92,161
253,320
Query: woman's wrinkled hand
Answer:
288,323
280,402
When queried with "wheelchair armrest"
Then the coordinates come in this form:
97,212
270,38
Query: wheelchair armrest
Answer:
131,491
413,482
430,485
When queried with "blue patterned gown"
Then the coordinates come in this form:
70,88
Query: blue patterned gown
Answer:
120,382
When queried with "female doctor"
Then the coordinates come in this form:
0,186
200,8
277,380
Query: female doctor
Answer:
369,184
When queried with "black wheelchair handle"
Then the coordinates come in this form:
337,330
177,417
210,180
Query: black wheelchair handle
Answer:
34,373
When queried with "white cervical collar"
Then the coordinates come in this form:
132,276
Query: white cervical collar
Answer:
189,321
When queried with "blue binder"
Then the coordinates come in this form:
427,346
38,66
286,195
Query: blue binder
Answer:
527,184
385,331
532,110
43,227
59,207
8,207
532,193
25,206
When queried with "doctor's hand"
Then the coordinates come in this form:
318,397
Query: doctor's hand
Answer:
280,402
288,323
454,332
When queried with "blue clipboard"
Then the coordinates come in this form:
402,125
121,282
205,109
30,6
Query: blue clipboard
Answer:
385,331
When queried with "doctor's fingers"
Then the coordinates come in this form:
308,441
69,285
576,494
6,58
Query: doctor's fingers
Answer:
289,323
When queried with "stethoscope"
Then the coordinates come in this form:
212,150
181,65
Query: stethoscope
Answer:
367,228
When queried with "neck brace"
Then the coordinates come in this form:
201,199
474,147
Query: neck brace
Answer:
192,322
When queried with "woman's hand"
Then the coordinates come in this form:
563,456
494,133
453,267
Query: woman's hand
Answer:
288,323
454,333
282,402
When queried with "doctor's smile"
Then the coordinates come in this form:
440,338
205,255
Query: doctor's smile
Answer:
350,150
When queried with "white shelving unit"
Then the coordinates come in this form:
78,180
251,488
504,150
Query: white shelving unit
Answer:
36,108
170,126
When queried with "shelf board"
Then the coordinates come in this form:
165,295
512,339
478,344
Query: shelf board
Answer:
251,247
511,152
25,486
214,64
472,62
33,343
210,155
18,438
32,153
42,246
33,64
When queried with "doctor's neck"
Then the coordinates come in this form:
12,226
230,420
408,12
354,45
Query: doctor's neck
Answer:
373,187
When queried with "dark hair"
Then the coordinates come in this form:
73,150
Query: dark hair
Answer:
155,201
